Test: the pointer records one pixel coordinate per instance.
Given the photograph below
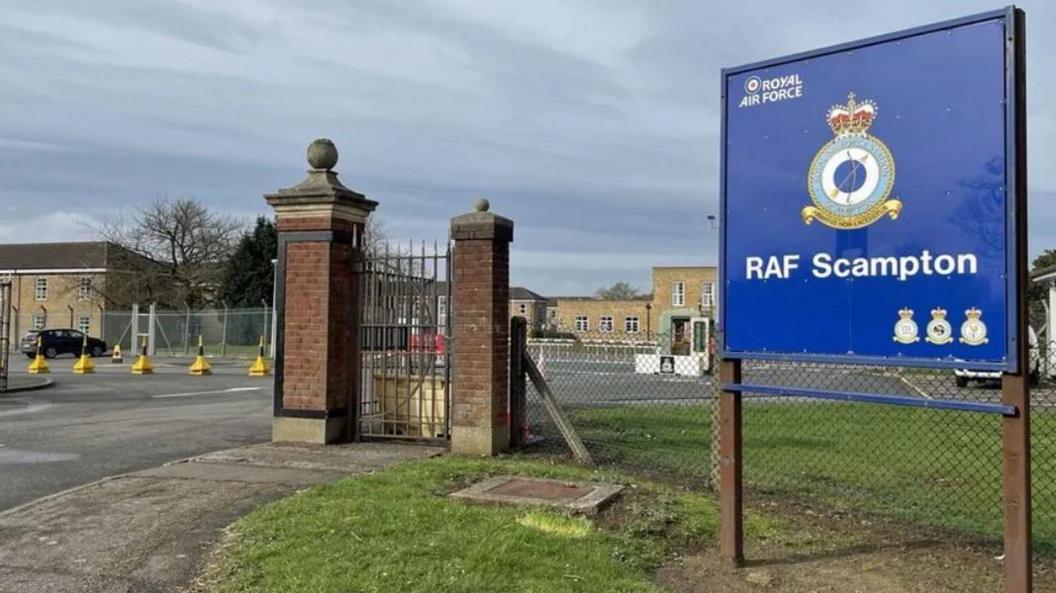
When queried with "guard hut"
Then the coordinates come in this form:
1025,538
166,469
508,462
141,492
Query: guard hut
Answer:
1046,338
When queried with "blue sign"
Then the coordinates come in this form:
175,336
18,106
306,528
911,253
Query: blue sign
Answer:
868,201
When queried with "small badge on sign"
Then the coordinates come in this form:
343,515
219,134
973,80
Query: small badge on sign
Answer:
667,365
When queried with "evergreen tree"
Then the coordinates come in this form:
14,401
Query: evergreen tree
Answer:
249,275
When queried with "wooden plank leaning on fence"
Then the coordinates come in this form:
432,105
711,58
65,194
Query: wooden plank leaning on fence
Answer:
550,402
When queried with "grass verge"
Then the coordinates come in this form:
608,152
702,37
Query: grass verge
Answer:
930,467
398,531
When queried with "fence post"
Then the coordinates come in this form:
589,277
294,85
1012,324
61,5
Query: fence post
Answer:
731,507
264,333
480,420
518,381
187,332
223,333
152,321
134,340
320,224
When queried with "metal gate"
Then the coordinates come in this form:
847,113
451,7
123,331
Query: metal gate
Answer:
5,332
406,391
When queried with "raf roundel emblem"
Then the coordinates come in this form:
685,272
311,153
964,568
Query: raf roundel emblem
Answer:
852,175
905,328
973,330
939,330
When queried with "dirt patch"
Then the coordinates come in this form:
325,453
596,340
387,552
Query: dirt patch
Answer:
846,553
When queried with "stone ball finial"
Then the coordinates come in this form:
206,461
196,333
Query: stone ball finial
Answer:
482,205
322,154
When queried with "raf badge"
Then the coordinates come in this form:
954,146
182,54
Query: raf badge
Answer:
851,176
906,328
973,330
939,330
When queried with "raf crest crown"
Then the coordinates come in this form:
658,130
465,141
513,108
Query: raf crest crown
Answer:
852,117
938,313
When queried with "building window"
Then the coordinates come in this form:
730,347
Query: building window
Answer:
605,323
441,311
678,294
707,295
582,324
40,290
630,325
39,319
522,309
84,324
84,289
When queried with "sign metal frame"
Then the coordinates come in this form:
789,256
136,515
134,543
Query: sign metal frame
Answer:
1013,154
1015,387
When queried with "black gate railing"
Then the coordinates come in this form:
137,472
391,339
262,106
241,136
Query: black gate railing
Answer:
406,293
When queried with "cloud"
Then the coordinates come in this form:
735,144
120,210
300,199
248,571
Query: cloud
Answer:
592,124
48,227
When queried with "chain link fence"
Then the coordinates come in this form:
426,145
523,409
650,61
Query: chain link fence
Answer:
933,468
631,407
227,333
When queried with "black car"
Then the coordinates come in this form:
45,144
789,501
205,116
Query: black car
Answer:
60,341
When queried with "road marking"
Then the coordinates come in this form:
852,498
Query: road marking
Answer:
190,393
919,391
29,409
26,457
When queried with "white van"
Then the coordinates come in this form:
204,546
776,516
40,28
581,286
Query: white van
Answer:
963,376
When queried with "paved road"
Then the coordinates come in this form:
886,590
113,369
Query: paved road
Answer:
592,379
89,427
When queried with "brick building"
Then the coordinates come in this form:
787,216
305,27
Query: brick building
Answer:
62,284
604,318
679,295
530,305
523,303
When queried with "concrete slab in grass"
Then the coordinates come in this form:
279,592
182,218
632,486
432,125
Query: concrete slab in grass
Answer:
583,497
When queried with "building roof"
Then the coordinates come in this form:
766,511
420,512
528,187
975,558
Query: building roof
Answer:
517,293
641,297
54,256
520,293
1046,273
711,267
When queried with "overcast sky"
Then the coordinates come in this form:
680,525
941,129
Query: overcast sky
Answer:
594,125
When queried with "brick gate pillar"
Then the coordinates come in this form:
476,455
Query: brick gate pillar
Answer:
481,321
320,225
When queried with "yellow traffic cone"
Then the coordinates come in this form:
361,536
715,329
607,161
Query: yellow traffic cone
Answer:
200,366
116,356
259,368
142,365
84,366
39,366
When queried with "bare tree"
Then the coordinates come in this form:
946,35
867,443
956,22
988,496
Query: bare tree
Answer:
621,291
375,236
173,252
